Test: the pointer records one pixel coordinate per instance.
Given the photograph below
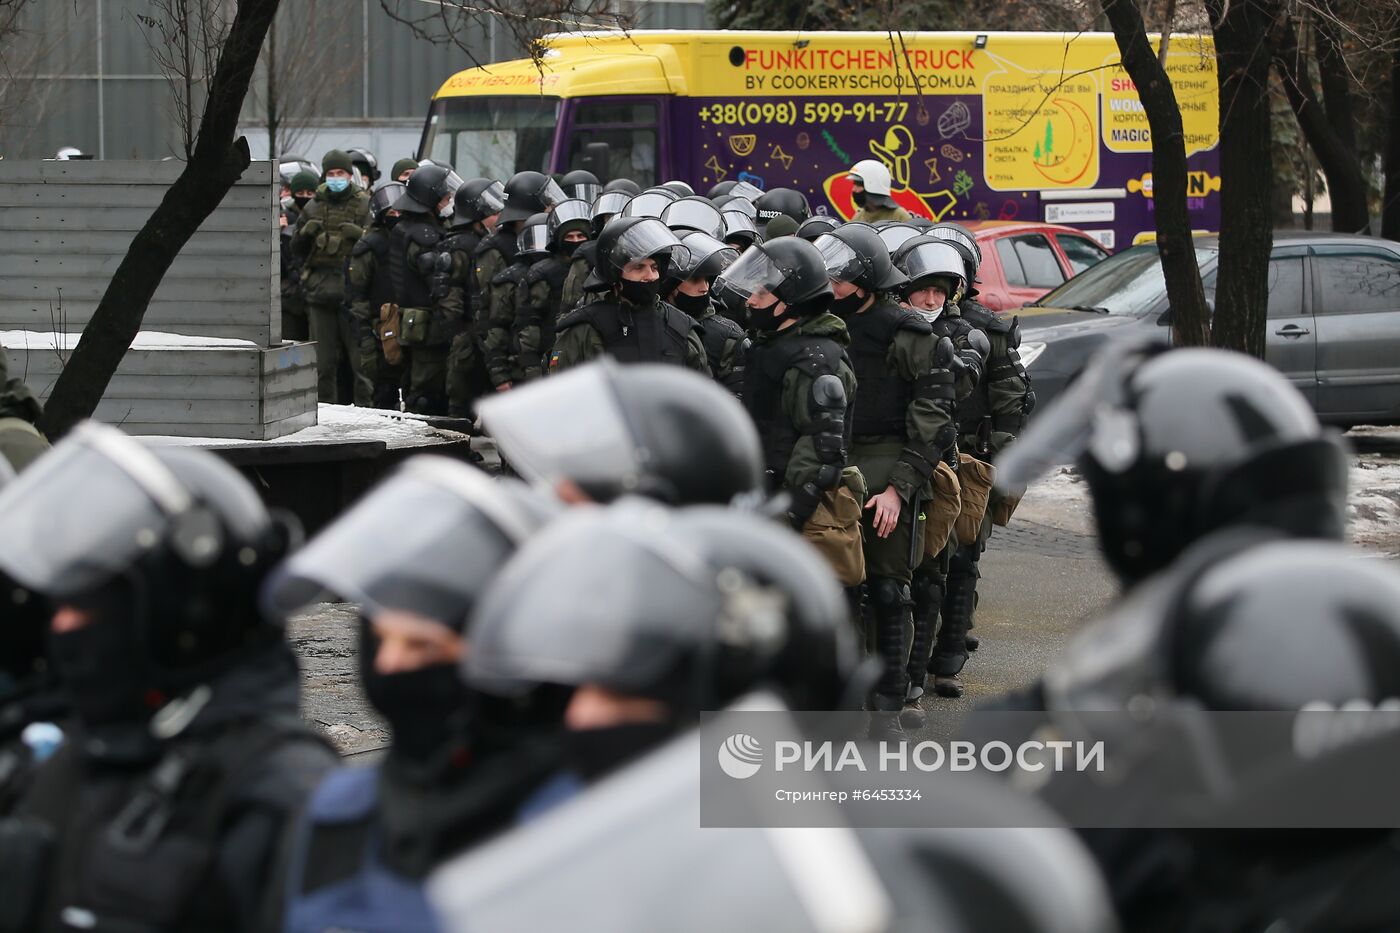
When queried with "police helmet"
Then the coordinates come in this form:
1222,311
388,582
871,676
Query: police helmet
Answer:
895,235
962,237
650,203
721,190
477,200
1176,444
747,191
855,253
529,193
625,185
365,161
291,166
533,240
815,226
384,198
693,214
629,239
582,185
643,601
573,215
426,187
739,229
925,259
680,188
428,540
180,530
785,202
788,268
653,430
607,206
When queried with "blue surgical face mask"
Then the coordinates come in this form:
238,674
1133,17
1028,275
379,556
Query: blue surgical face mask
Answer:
337,184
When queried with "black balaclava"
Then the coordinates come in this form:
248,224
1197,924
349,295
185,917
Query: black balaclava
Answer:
694,305
102,667
427,709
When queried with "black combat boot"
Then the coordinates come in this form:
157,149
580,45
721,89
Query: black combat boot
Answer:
950,649
928,602
891,608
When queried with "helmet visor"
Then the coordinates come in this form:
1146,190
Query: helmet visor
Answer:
96,504
741,206
384,198
609,203
842,263
737,223
896,236
533,239
746,191
646,240
753,279
570,210
464,528
567,427
691,214
551,194
1089,413
706,256
491,200
925,259
647,204
956,235
562,614
584,191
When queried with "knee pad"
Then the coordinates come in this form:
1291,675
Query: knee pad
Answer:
887,593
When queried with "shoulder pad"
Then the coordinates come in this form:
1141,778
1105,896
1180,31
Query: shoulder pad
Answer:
731,328
913,320
815,358
539,271
584,314
362,246
987,319
424,234
487,245
828,391
588,252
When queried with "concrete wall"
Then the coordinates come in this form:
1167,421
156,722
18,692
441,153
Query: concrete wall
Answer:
64,229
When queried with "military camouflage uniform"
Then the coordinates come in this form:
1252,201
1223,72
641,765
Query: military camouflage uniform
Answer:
326,233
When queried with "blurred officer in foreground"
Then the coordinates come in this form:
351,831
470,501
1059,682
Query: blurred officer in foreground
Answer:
603,431
654,616
163,809
460,762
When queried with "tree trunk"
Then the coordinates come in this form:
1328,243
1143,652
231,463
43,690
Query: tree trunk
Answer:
1243,48
1190,319
1332,136
218,160
1390,210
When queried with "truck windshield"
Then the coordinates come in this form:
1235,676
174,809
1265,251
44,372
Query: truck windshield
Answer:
1130,282
491,137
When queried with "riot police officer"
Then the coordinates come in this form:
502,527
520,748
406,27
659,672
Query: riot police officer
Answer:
370,291
903,426
415,554
687,287
475,209
431,311
366,164
605,430
507,288
935,270
541,291
163,809
780,202
628,320
527,193
606,206
798,383
988,423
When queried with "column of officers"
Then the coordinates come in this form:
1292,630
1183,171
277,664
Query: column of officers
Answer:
882,389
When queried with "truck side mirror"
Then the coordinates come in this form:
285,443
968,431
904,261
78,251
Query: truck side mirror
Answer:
597,158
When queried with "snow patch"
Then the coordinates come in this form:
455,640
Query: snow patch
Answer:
339,424
145,340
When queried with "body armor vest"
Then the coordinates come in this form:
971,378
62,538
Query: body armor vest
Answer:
882,400
763,391
716,331
410,287
637,335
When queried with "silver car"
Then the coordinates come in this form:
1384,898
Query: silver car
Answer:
1333,319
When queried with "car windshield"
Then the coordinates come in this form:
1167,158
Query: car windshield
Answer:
1129,282
492,137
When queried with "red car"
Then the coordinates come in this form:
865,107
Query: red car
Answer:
1022,261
